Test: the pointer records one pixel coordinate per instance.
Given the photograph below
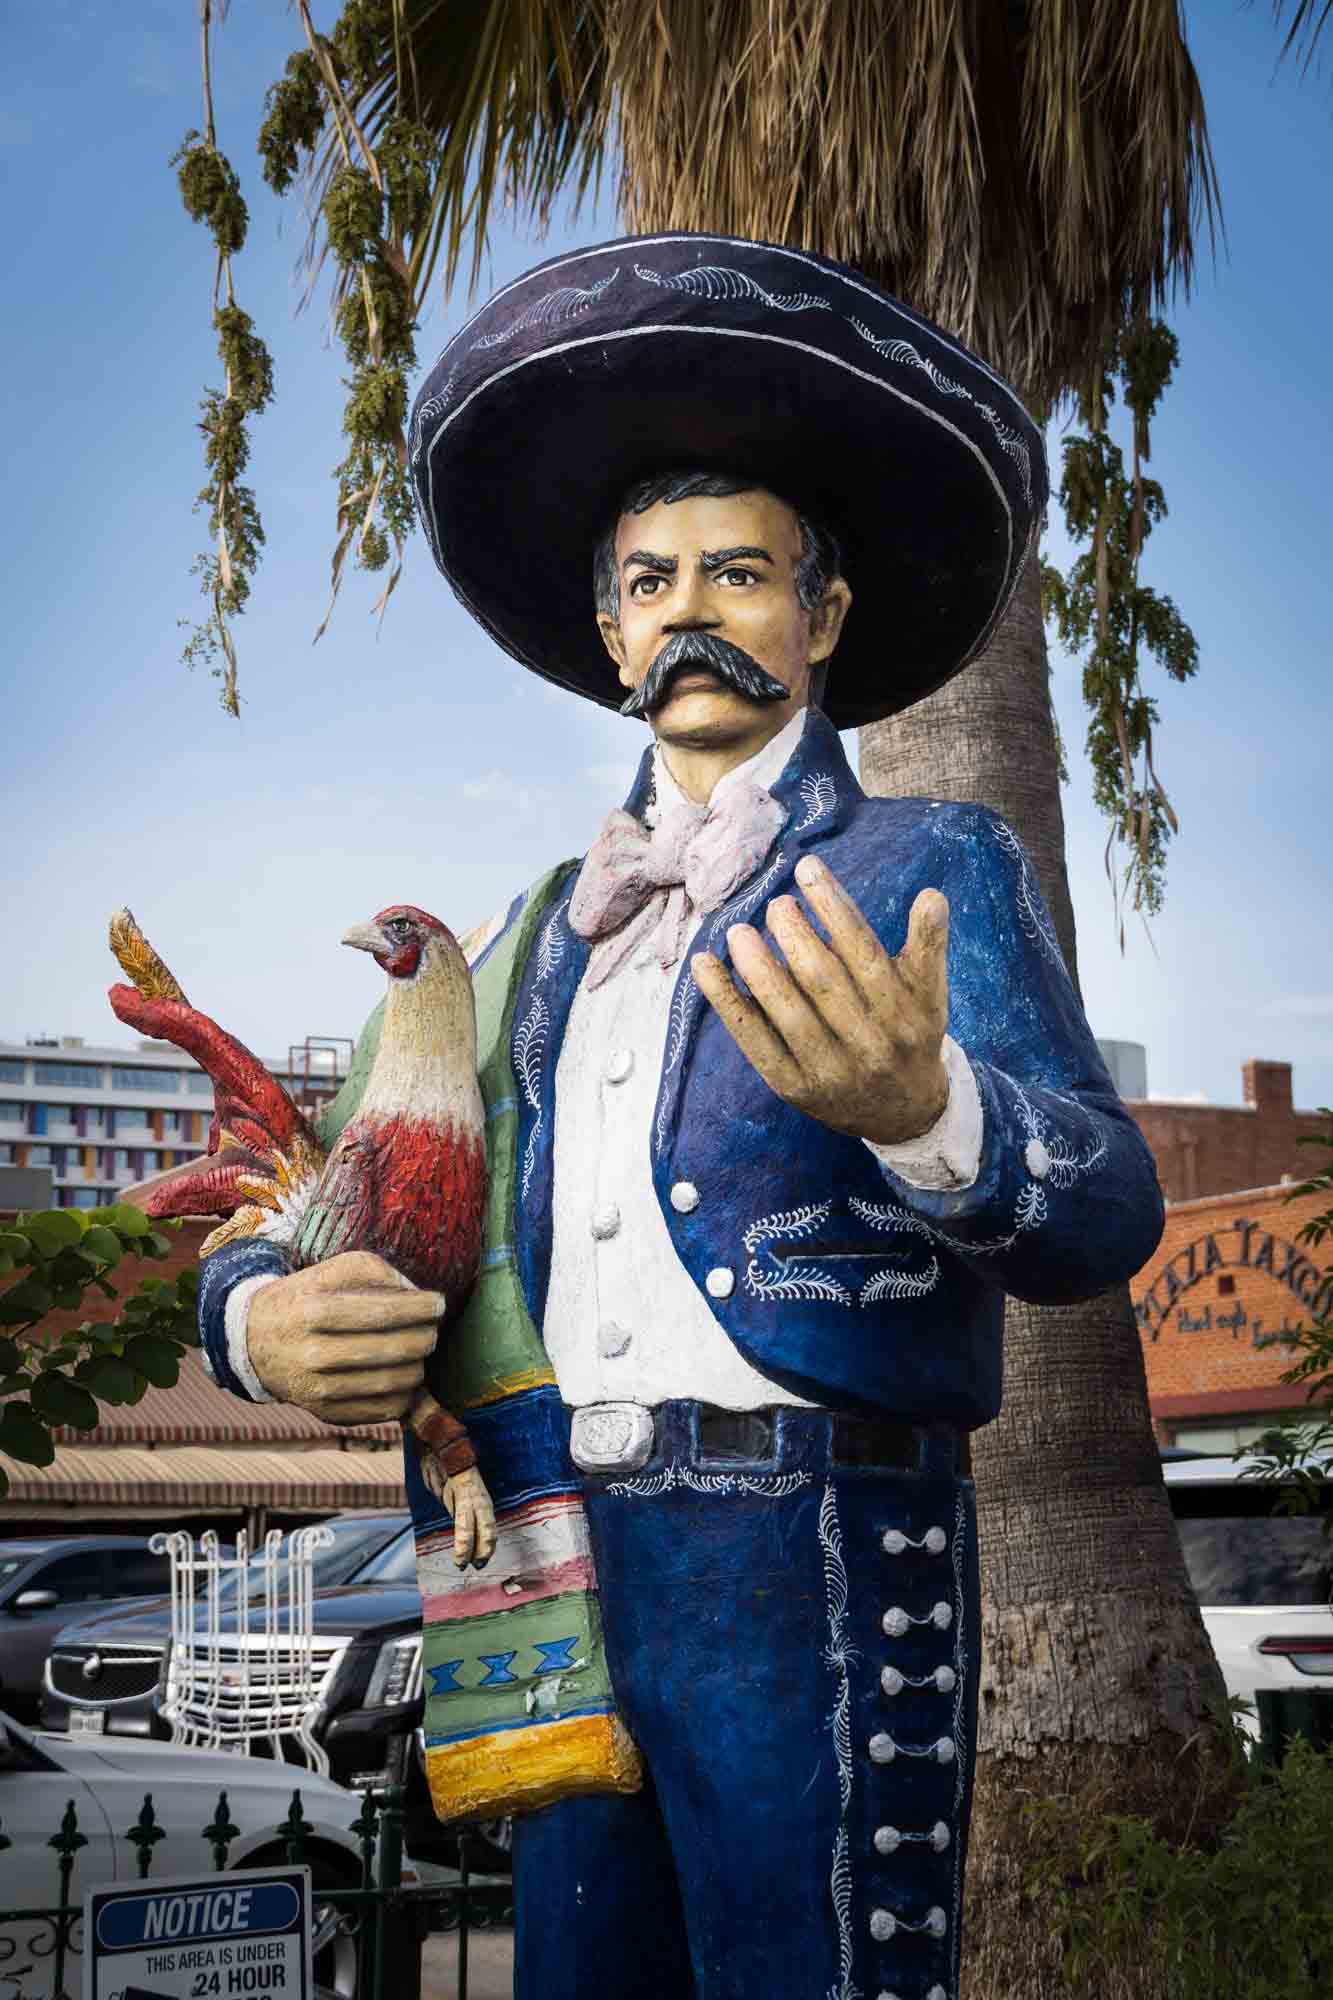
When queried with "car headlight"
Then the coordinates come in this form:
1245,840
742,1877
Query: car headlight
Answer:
396,1675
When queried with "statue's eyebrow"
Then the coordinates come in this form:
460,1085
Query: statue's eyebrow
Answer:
719,558
667,565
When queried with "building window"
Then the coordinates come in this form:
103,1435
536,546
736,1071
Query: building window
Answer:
131,1115
6,1156
120,1161
67,1076
145,1079
198,1083
11,1072
1226,1286
171,1121
11,1114
81,1197
39,1156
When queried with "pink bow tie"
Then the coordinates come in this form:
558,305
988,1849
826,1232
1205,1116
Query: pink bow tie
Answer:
641,889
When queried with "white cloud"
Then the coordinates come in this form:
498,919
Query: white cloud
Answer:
1300,1007
614,778
498,788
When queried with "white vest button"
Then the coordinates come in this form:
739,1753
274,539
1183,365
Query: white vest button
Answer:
619,1065
605,1222
612,1340
684,1197
721,1283
1036,1159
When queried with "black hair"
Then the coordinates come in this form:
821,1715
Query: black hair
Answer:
819,562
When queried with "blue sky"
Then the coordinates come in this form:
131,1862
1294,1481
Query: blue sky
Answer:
422,765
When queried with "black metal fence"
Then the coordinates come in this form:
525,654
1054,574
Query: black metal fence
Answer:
367,1932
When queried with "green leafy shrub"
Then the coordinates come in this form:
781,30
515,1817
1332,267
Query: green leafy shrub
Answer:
1248,1916
1295,1452
58,1380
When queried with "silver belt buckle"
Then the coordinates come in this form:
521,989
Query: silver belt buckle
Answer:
611,1437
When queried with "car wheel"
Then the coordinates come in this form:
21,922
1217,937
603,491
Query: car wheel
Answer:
490,1845
335,1950
335,1947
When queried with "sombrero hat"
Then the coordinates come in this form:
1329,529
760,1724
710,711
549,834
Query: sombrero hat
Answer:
651,353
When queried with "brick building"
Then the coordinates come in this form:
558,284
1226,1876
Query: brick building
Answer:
1217,1308
1219,1302
1204,1149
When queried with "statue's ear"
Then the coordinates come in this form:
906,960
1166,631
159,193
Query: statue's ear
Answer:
826,620
613,640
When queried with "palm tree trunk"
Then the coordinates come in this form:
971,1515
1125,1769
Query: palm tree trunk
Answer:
1098,1680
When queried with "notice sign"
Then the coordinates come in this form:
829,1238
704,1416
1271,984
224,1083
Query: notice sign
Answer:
216,1937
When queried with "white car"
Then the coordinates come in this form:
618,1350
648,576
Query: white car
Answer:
1264,1580
107,1778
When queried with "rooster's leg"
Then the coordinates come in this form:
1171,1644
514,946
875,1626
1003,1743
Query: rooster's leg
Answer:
449,1468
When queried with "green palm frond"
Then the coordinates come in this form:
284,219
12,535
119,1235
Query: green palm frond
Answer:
1031,175
513,93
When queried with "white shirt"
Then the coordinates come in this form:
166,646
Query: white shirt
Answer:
624,1319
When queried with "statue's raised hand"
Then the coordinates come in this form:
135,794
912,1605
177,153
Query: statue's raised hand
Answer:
844,1031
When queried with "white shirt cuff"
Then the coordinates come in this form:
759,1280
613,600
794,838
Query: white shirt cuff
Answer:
946,1157
236,1320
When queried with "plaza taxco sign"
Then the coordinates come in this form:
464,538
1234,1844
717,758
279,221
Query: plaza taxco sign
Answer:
1241,1246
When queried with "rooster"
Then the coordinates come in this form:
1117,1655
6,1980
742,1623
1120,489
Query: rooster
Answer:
406,1178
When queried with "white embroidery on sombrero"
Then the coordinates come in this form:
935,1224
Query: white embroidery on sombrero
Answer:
711,282
1009,441
846,278
896,349
493,382
565,303
432,407
720,281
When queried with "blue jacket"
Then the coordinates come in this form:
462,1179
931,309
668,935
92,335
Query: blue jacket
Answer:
847,1284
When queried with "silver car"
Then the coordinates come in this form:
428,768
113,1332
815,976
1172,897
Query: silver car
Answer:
106,1778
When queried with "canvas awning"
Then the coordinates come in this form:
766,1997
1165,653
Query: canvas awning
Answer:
194,1479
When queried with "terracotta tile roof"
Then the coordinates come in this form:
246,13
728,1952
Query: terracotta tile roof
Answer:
196,1411
195,1478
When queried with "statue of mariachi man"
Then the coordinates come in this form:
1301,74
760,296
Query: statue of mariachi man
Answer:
801,1089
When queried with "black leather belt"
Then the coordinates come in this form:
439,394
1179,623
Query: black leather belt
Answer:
855,1440
610,1438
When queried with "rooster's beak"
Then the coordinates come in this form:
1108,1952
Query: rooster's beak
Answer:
366,937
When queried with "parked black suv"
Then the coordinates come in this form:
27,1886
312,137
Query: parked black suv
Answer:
45,1580
105,1674
108,1672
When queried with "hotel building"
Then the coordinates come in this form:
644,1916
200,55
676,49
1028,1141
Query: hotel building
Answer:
101,1118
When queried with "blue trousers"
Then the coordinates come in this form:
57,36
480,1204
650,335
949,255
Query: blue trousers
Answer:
794,1646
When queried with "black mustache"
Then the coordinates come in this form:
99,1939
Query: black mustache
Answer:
691,651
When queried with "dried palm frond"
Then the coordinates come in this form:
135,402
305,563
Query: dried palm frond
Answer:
1031,175
1027,174
1309,18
